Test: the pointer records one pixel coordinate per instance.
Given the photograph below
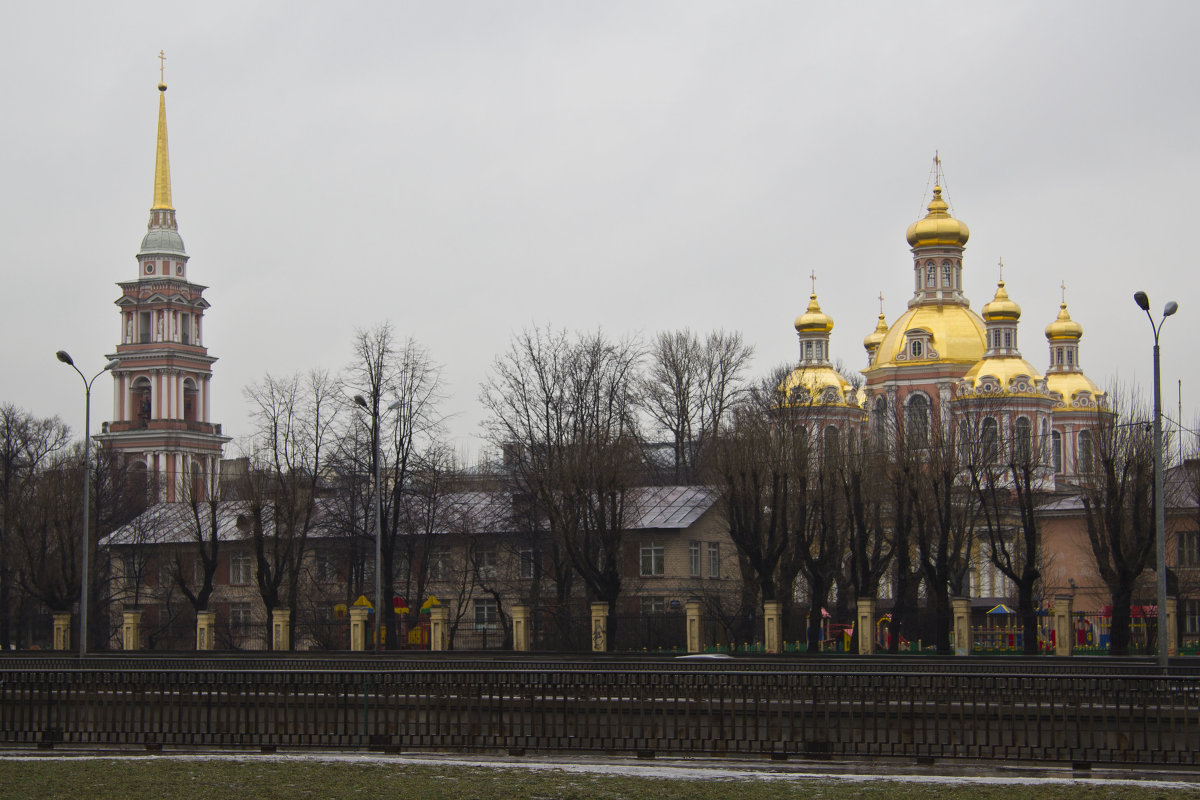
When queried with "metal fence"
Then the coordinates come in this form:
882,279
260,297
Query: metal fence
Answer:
1047,714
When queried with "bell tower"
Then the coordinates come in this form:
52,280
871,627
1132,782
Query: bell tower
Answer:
162,425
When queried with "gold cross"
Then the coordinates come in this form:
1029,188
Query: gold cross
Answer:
1001,270
1064,292
161,64
813,275
881,302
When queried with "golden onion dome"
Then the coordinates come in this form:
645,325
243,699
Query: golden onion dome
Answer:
1064,327
876,337
817,386
938,227
1001,307
1070,384
1007,374
957,333
813,320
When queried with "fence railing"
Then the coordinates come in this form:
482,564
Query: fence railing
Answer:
1044,714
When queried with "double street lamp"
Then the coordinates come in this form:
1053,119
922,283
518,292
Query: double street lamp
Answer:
1143,302
65,358
361,401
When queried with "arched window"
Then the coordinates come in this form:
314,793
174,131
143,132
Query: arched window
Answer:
916,348
1056,454
191,403
140,395
880,420
930,275
916,421
989,441
1024,441
1083,456
833,444
1008,337
945,274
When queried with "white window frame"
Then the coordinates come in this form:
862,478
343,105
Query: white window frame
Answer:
653,560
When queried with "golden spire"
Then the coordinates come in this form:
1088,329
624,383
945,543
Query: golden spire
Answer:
162,163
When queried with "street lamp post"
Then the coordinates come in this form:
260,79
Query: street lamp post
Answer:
1160,535
65,357
361,401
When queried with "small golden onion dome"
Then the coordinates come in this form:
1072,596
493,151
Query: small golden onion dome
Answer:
876,337
1000,372
958,335
814,320
938,227
1070,384
1064,327
815,384
1001,308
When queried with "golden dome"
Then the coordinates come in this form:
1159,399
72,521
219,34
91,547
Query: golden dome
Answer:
1069,384
994,375
957,335
813,320
876,337
819,386
1064,327
938,227
1001,307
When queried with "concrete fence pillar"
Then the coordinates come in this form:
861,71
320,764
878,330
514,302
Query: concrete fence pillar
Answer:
281,634
358,627
131,629
772,627
206,624
695,641
62,630
1172,632
599,627
1064,627
439,628
961,611
520,622
864,626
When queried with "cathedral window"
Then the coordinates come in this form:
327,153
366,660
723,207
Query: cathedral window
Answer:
990,441
144,327
917,349
1024,443
1008,337
808,351
880,420
1083,458
1058,356
818,351
1070,358
1056,453
833,446
930,275
916,421
946,275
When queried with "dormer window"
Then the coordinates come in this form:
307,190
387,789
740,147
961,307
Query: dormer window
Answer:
916,348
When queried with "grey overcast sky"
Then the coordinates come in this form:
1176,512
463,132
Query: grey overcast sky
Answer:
465,170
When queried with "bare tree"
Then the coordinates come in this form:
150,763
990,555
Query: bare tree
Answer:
401,387
1117,490
294,418
688,389
563,408
27,445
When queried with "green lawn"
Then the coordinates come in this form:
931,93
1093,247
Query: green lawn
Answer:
264,779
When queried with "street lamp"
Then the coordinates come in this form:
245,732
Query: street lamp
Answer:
1160,535
65,358
361,401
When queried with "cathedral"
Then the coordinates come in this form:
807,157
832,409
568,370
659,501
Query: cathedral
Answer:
942,364
161,428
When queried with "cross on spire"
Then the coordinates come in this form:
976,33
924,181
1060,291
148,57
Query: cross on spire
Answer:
162,61
1002,269
813,276
881,302
1063,286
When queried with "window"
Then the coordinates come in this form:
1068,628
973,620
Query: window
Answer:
197,573
1059,353
239,569
486,563
880,420
1070,358
1189,548
326,568
990,441
917,421
143,327
946,276
652,606
166,574
653,560
808,353
487,614
525,562
1191,616
1083,458
917,348
694,558
439,564
833,444
930,275
714,559
1024,443
1008,340
239,616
